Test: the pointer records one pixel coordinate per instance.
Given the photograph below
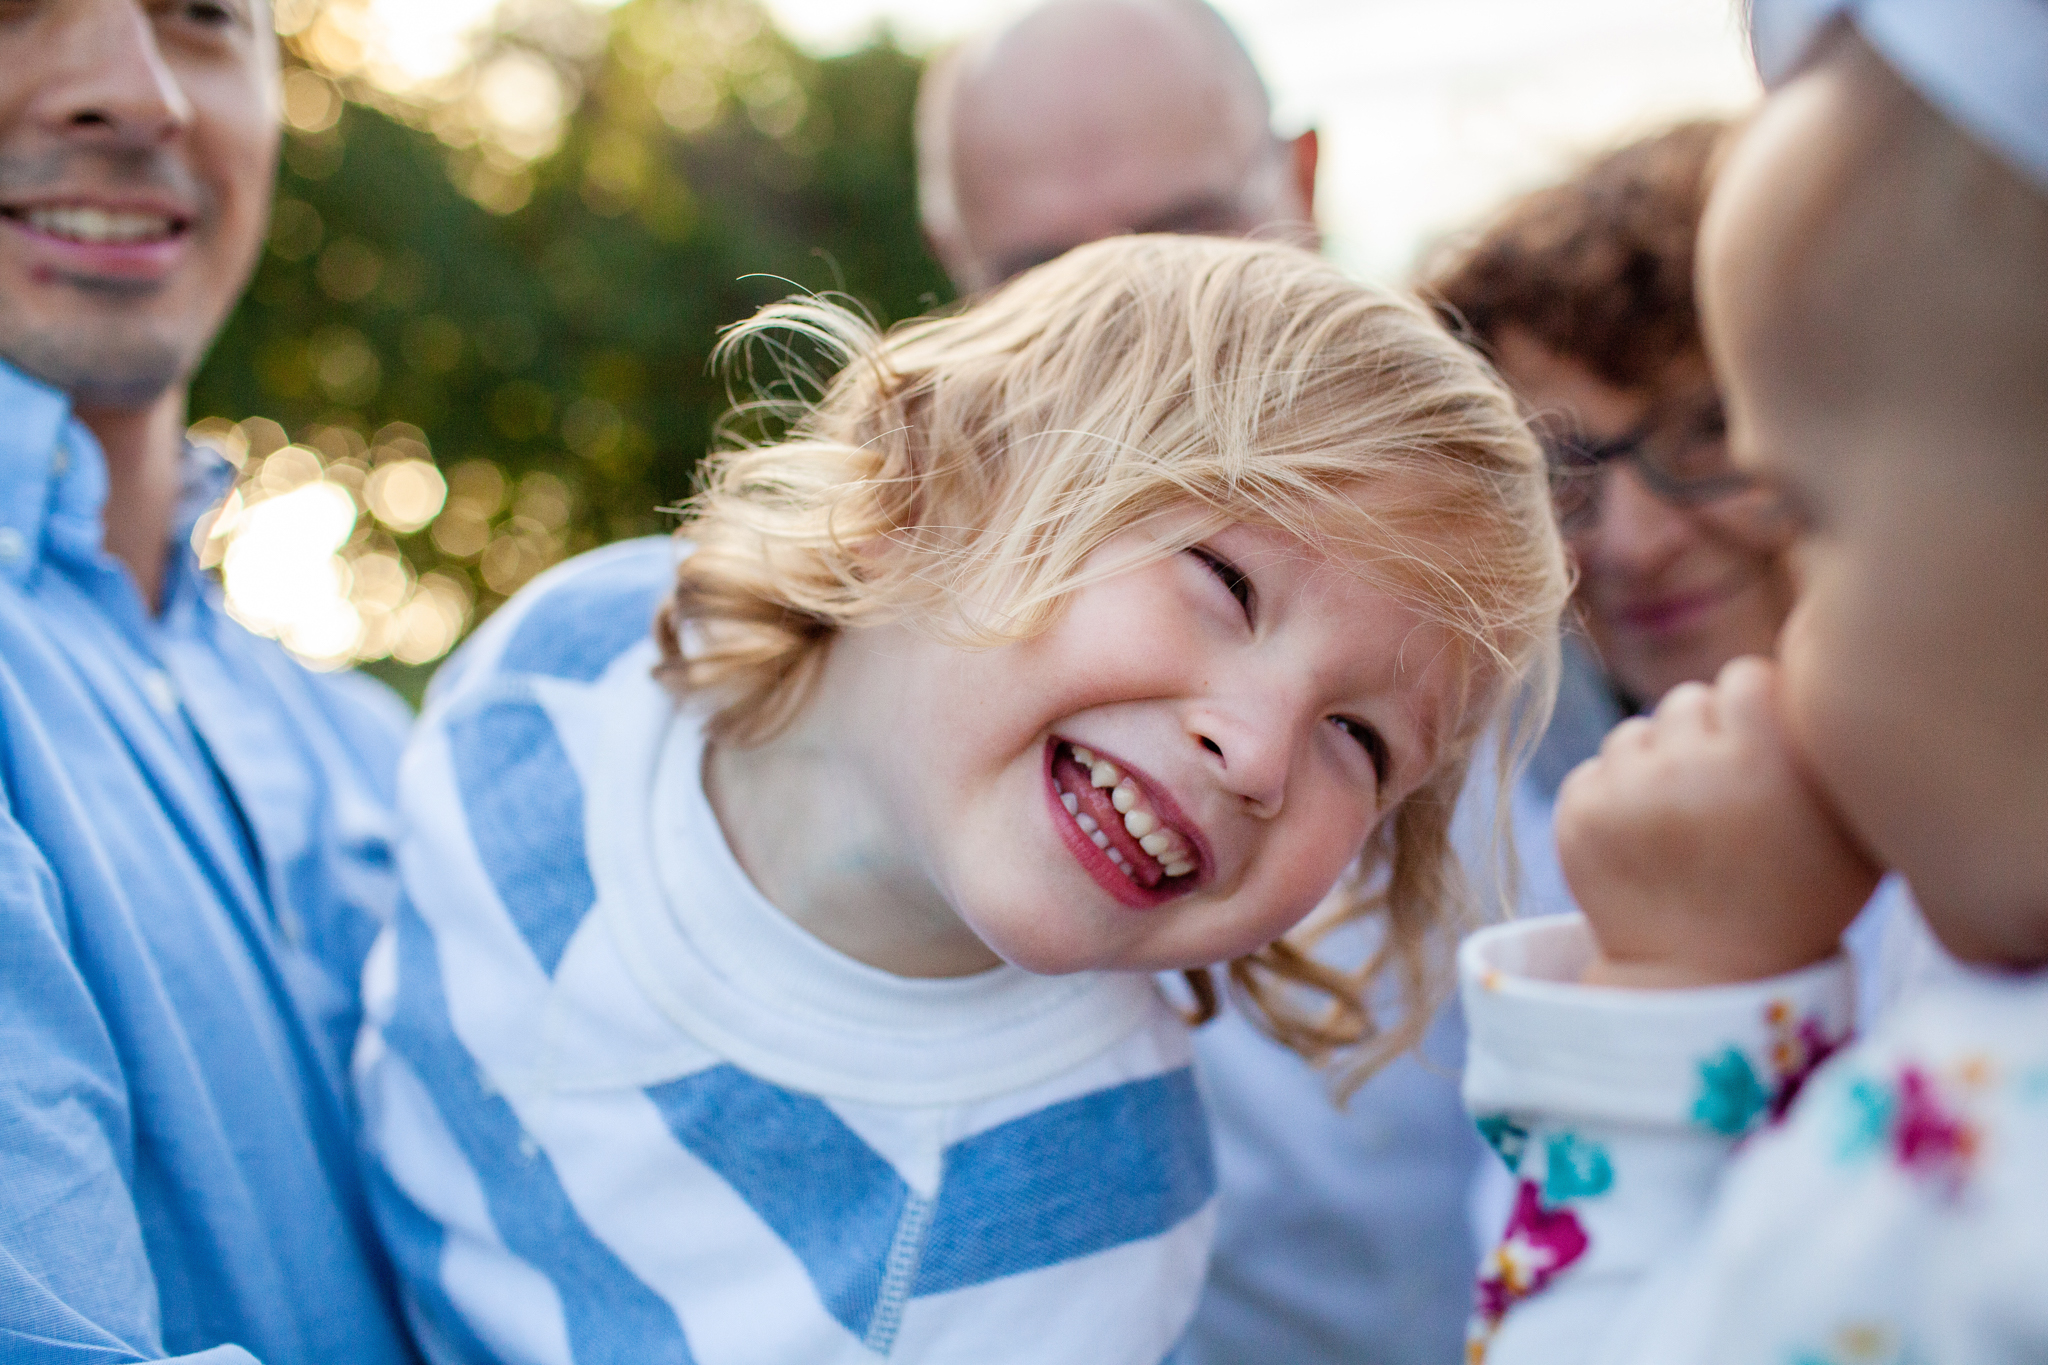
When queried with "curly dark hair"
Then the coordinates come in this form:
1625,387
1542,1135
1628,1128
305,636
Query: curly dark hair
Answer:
1598,268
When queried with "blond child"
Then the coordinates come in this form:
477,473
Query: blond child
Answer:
1875,290
781,988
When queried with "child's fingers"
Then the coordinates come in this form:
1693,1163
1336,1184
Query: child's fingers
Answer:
1687,707
1748,695
1631,736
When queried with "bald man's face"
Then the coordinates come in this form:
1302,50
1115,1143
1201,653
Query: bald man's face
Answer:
1026,201
1093,120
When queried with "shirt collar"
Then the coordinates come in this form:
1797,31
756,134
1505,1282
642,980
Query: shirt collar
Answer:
53,479
204,479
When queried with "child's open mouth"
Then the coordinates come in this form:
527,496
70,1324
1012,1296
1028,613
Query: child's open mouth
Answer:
1125,823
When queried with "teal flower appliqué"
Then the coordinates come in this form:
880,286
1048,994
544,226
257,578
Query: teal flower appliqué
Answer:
1507,1138
1731,1094
1574,1168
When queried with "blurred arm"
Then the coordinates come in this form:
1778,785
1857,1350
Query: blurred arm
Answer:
1618,1112
76,1287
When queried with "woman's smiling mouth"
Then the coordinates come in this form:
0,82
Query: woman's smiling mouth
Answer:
1126,836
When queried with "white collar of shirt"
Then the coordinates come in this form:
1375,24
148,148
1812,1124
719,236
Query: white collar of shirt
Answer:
734,972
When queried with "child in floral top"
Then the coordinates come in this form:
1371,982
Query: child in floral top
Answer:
1706,1173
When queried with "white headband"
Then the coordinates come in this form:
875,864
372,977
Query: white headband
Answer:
1983,63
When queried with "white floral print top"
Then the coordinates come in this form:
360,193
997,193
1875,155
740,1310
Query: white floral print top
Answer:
1718,1177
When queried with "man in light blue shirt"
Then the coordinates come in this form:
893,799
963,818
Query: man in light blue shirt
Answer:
194,830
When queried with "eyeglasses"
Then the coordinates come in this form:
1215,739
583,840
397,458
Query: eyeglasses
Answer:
1682,456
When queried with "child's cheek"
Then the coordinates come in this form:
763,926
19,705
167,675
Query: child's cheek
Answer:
1309,868
1833,706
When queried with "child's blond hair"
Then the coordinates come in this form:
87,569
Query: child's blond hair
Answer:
958,471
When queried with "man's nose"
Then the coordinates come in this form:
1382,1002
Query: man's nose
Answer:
106,73
1635,531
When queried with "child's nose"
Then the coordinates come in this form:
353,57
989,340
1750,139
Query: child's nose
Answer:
1247,752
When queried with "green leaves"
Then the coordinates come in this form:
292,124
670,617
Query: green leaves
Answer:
701,162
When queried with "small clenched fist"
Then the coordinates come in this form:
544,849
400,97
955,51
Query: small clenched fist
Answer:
1698,847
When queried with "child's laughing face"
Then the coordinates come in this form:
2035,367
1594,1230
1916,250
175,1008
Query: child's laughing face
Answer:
1172,775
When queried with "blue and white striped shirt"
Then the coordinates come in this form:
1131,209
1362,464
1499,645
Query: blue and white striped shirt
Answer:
194,857
625,1111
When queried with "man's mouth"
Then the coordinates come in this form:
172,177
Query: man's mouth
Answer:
1114,811
90,225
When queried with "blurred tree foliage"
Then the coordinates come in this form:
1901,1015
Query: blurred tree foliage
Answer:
531,267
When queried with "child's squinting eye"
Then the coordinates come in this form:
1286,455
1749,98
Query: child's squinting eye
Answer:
1369,739
1232,577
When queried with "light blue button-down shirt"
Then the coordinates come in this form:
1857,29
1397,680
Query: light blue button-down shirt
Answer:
194,857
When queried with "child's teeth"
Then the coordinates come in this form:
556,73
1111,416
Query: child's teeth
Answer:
1159,843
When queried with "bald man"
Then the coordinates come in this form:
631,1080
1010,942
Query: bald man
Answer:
1342,1234
1086,119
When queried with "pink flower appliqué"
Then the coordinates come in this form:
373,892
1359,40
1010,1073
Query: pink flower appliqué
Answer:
1536,1247
1915,1124
1927,1139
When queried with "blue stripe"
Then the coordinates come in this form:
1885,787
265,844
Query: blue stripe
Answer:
576,630
612,1317
1109,1168
415,1242
524,807
1096,1172
807,1175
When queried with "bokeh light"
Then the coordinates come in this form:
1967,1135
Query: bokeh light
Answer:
500,98
308,542
283,574
504,239
407,494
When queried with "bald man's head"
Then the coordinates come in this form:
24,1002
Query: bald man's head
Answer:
1091,118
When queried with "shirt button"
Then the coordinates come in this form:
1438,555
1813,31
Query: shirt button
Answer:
61,461
162,693
13,544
